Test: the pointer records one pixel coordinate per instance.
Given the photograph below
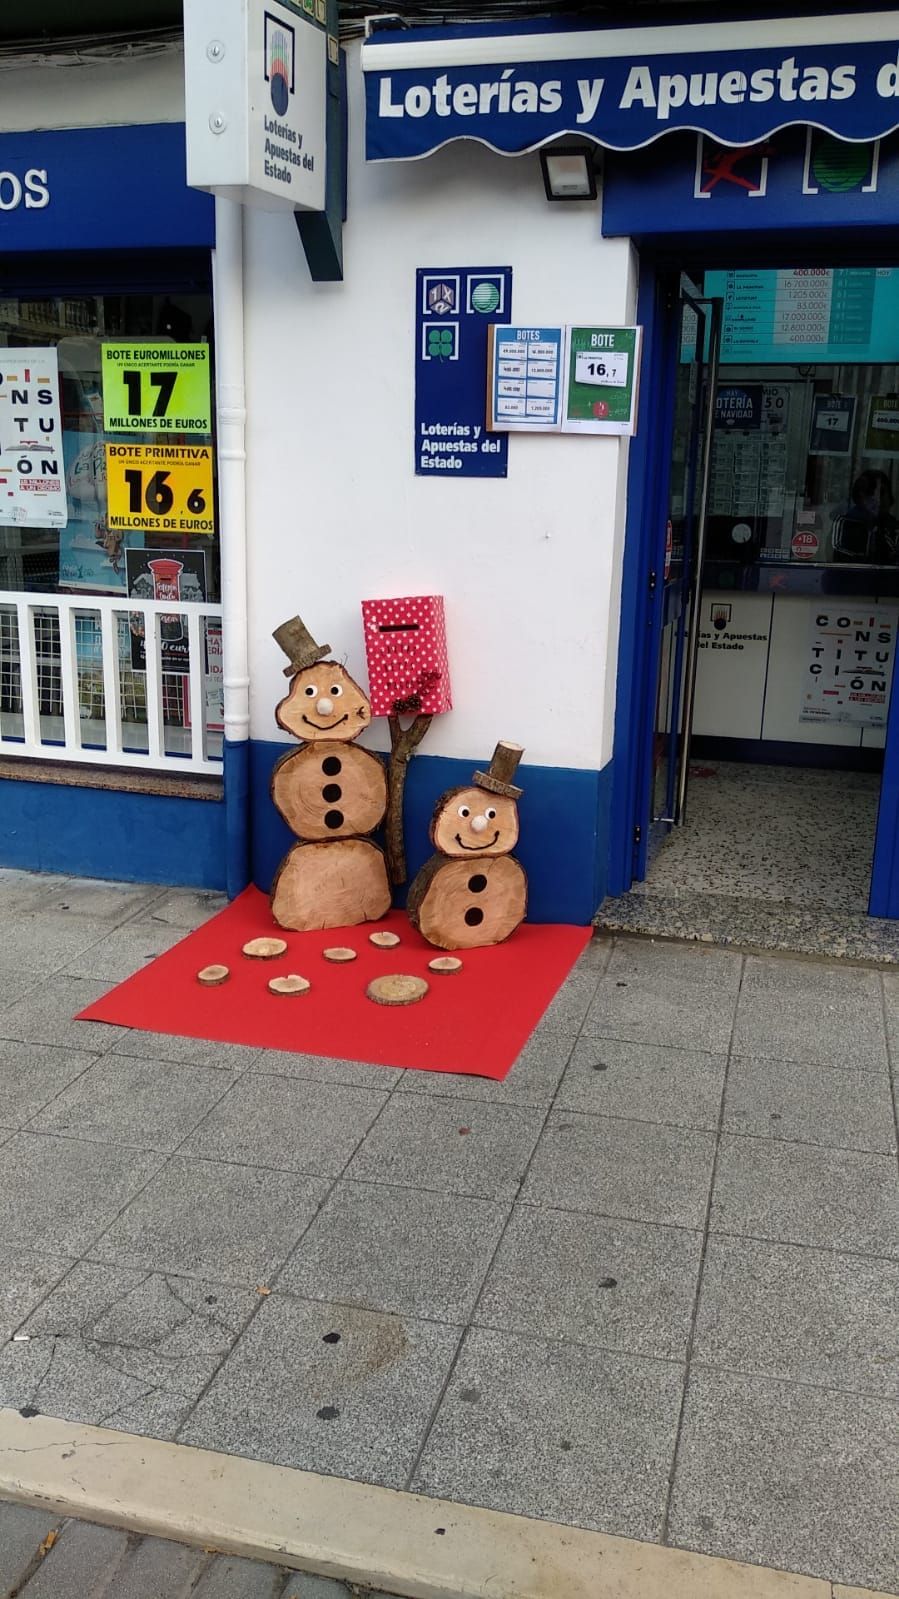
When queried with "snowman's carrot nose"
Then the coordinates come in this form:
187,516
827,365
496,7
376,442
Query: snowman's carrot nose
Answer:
478,824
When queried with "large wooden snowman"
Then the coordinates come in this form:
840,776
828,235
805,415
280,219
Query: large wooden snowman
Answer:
473,892
330,793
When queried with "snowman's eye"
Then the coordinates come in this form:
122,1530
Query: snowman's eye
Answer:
310,691
336,690
490,814
464,810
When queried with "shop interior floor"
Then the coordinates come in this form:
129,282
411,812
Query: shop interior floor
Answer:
769,857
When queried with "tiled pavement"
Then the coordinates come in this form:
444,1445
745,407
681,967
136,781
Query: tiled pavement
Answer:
48,1557
647,1285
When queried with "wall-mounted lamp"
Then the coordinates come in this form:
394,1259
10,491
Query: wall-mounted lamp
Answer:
568,172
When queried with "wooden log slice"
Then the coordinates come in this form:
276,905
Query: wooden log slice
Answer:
212,976
446,964
337,884
330,790
397,989
339,954
265,949
292,984
466,904
384,940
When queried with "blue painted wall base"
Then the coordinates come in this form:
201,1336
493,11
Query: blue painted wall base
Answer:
95,832
564,828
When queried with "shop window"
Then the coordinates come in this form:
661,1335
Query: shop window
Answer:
135,525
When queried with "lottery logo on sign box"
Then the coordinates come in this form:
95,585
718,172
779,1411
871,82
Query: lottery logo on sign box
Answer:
156,388
162,488
455,308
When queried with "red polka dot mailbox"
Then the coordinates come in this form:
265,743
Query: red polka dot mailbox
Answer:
405,643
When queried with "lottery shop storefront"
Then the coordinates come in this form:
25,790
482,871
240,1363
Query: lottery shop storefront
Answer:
748,193
110,744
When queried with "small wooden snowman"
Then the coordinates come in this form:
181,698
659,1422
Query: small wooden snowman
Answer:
329,793
473,892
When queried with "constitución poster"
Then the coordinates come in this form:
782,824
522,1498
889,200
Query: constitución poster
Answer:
850,663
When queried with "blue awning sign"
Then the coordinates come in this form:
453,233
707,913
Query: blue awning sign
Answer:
737,82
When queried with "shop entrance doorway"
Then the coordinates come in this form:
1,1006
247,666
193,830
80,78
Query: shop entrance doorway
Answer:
776,619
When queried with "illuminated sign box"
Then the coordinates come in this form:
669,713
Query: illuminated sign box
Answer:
255,95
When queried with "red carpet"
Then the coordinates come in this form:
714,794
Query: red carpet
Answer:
475,1021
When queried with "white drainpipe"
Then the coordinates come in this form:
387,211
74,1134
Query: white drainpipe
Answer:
228,289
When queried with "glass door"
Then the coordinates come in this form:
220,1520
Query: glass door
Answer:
695,383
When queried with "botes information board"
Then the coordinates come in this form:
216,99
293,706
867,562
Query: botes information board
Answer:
156,388
162,488
563,379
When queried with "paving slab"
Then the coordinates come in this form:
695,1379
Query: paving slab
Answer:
808,1315
810,1103
610,1284
459,1148
406,1250
627,1169
644,1082
158,1569
648,1010
187,908
108,902
355,1407
532,1080
182,1051
81,1564
109,1341
231,1578
121,953
799,1477
31,1075
320,1069
567,1010
61,1193
23,1529
26,1275
644,959
287,1122
135,1103
796,1193
202,1218
45,941
15,984
839,979
825,1028
556,1430
46,1016
24,891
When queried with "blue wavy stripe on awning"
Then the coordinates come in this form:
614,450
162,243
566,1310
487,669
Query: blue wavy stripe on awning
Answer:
737,82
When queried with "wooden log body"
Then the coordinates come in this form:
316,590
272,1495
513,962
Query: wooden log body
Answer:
330,790
457,904
338,883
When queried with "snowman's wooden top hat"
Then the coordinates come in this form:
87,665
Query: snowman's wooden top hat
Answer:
299,646
502,768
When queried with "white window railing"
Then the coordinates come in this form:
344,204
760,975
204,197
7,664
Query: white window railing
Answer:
111,681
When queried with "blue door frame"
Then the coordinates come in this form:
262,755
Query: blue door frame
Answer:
642,597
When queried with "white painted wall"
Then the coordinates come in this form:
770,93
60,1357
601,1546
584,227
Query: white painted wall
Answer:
528,565
92,92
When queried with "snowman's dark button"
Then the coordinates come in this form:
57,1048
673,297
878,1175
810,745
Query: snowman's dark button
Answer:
330,765
331,793
474,916
334,819
477,884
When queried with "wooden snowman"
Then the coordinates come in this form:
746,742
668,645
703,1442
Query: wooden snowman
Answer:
472,892
330,793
